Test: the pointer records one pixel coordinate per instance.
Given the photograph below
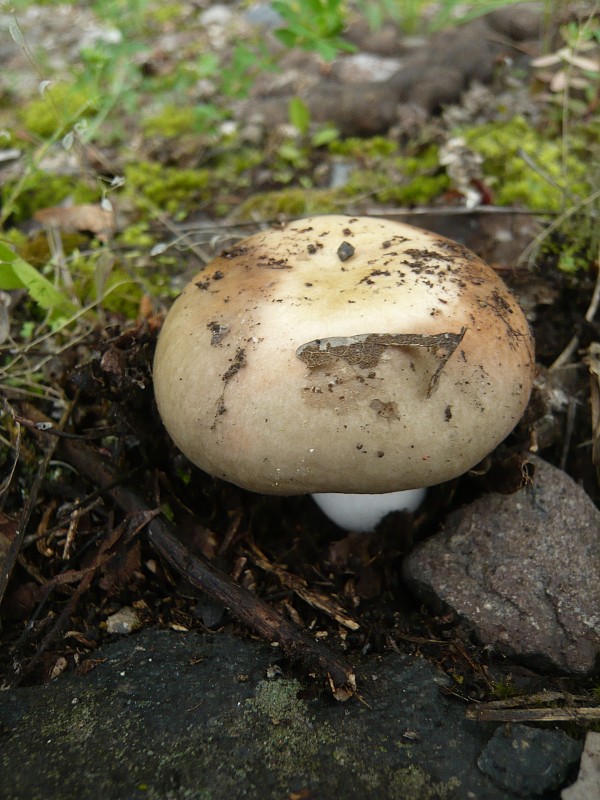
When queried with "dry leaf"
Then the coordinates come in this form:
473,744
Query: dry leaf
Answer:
585,64
120,569
86,217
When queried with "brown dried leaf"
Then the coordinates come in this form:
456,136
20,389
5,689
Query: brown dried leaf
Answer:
88,665
119,570
85,217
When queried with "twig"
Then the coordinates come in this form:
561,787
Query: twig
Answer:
50,427
520,709
87,576
244,604
249,608
486,714
299,586
13,553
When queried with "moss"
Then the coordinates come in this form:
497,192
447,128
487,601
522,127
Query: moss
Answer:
288,737
412,783
168,188
293,202
399,190
402,180
36,250
121,283
137,234
354,147
278,700
163,14
562,175
294,745
41,189
97,278
233,168
172,120
516,182
504,689
54,112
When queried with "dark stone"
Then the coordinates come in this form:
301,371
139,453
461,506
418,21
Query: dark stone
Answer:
168,716
520,23
437,88
471,51
364,109
386,41
530,761
432,76
522,570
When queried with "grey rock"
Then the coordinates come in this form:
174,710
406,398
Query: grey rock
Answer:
387,41
263,15
364,68
356,96
168,716
523,570
348,103
520,23
529,761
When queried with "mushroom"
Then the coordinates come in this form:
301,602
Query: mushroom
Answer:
343,356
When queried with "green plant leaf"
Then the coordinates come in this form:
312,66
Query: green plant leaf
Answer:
299,115
325,136
286,37
16,273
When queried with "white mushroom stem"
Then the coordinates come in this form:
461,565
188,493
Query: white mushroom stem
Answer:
363,512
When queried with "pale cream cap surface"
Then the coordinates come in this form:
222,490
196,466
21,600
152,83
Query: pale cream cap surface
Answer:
327,357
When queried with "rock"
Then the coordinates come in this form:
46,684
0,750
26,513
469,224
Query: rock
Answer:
123,622
171,715
364,68
345,106
263,16
386,41
217,14
355,93
529,761
522,570
520,23
437,88
587,785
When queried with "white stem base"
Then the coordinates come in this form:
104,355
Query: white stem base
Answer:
363,512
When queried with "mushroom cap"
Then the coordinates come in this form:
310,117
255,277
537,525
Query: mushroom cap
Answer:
342,354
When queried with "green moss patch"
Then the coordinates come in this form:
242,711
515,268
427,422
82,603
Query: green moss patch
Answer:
59,108
525,168
41,189
167,188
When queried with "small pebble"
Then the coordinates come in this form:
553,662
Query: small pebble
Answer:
124,621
